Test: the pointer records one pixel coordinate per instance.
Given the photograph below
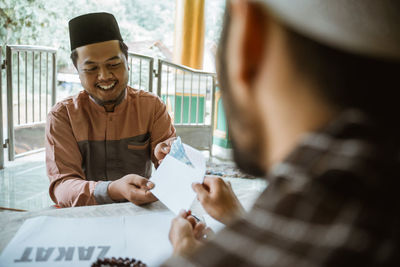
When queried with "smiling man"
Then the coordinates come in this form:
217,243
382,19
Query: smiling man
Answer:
100,143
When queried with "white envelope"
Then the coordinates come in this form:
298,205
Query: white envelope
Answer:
173,180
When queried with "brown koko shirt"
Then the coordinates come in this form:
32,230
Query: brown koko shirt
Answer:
87,147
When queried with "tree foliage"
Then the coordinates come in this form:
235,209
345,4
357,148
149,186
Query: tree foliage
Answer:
21,21
45,22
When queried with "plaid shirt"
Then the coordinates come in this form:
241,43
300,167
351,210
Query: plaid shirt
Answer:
333,202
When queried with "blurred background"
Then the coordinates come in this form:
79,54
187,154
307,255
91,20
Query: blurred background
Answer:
147,26
172,47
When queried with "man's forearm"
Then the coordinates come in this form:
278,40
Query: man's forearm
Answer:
74,192
186,246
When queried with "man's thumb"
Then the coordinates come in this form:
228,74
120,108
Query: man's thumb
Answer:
200,190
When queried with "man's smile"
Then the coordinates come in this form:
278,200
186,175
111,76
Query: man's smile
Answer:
106,87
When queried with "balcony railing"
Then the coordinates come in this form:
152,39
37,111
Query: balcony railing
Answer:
140,71
31,91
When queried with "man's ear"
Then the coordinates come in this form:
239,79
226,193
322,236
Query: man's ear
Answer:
254,42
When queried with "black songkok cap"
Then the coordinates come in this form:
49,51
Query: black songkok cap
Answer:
93,28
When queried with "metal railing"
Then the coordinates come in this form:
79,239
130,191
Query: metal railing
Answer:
140,71
2,66
189,97
31,91
29,101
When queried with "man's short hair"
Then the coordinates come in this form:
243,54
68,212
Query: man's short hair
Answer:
122,46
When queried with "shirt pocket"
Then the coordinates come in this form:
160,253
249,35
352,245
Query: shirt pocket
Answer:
139,143
135,157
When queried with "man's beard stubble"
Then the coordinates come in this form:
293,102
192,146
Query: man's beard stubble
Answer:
245,154
247,159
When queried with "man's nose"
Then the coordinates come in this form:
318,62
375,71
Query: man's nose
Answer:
104,74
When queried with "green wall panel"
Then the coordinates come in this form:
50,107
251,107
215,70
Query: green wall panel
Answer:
184,118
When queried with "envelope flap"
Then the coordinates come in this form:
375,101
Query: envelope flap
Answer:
198,160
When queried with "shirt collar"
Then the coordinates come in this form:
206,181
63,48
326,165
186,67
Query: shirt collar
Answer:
116,102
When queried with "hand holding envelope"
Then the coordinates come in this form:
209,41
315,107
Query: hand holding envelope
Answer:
173,179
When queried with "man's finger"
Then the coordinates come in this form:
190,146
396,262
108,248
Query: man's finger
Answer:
140,181
170,141
149,185
192,220
207,233
137,194
149,195
211,180
198,230
183,214
141,196
165,148
202,193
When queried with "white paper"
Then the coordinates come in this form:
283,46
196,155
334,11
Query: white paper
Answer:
51,241
215,225
173,180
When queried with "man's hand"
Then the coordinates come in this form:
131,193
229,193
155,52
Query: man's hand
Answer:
163,148
200,230
185,233
217,198
133,188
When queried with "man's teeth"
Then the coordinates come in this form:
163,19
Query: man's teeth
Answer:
106,87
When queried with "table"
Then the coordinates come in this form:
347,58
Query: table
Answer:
247,191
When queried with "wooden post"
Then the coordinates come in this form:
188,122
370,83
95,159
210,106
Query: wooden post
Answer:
189,33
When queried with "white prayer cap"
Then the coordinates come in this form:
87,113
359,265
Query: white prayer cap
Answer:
368,27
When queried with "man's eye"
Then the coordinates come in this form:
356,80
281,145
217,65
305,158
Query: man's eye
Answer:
115,65
90,69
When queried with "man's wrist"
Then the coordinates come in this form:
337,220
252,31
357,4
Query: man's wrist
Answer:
186,246
113,192
235,215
